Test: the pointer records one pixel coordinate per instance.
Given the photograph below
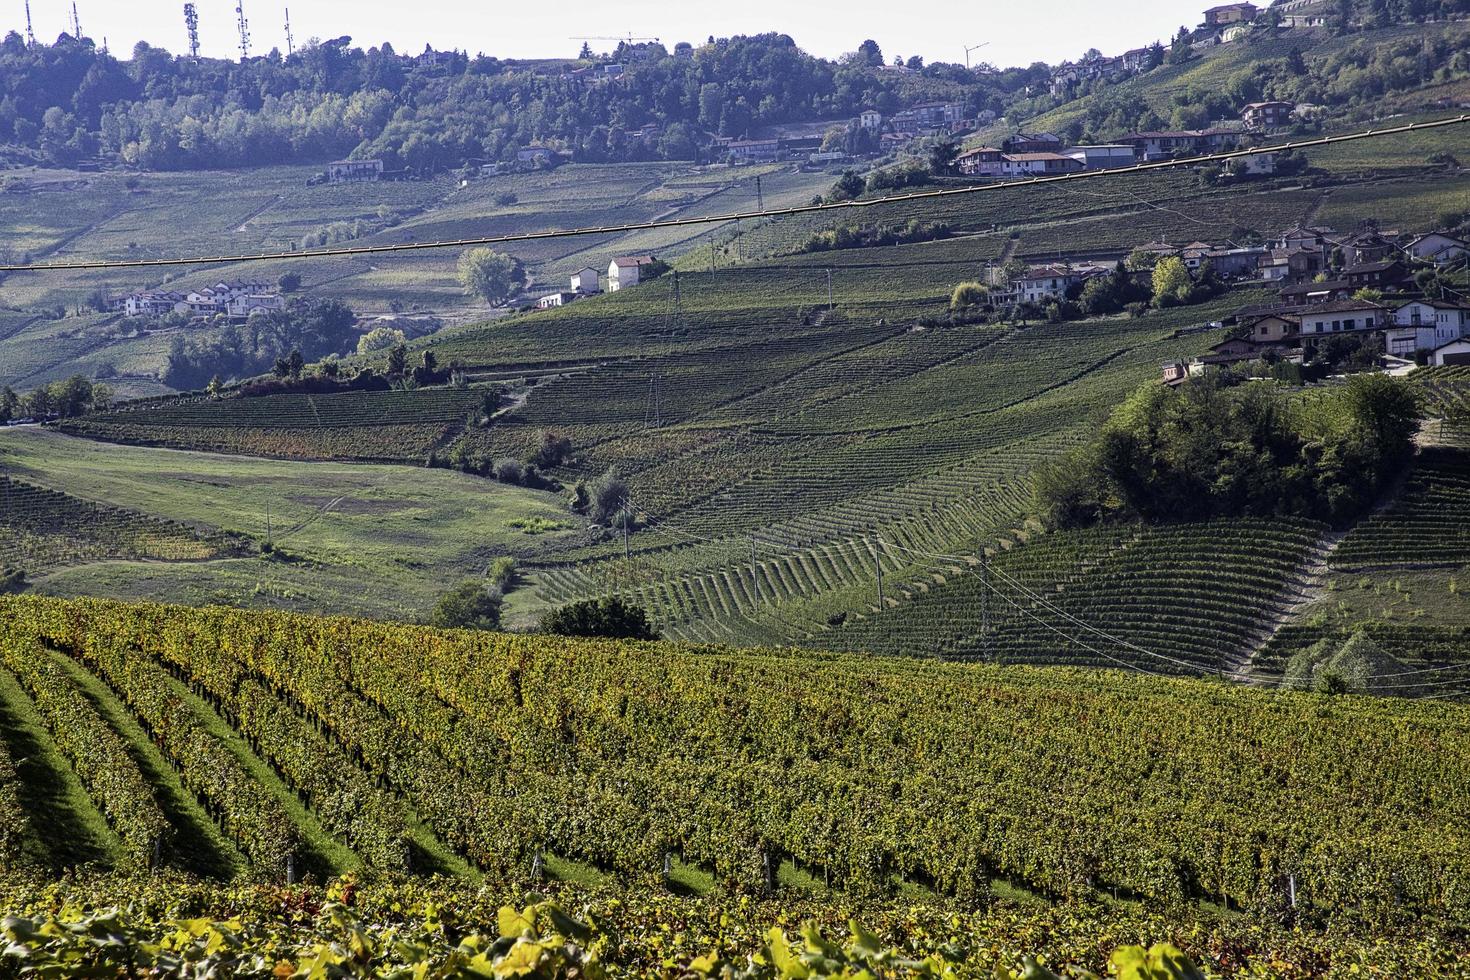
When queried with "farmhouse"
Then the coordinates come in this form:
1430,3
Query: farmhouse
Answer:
1170,143
623,271
1368,246
551,300
929,117
585,281
1300,237
755,151
1273,328
870,119
1272,114
1235,263
249,304
348,171
1043,283
981,161
1230,13
1327,291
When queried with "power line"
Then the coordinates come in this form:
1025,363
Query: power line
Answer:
732,216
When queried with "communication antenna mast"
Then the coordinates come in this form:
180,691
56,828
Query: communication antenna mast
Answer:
76,23
30,32
191,21
290,42
244,26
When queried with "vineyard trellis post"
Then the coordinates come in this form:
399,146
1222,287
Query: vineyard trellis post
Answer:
829,290
627,516
755,577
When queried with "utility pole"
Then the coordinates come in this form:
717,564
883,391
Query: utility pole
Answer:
760,197
985,604
878,567
711,252
290,41
627,519
755,578
829,290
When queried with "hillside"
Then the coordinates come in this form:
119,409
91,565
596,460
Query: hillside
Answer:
276,742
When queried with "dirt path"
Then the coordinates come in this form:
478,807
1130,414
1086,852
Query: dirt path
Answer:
1307,586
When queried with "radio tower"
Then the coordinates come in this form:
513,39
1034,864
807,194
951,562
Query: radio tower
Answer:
191,21
30,33
290,42
244,29
76,23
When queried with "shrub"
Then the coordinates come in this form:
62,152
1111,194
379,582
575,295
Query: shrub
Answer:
502,573
508,470
968,294
608,617
468,605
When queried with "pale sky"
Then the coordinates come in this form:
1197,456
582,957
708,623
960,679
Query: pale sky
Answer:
1019,33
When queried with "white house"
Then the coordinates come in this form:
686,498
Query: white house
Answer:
623,271
556,299
1343,316
1438,248
870,119
1443,321
248,305
585,281
1043,283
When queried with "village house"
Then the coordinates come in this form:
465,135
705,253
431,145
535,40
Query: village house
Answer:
1388,274
1440,321
1309,293
348,171
1135,59
1273,114
755,151
1166,144
1438,248
870,119
1291,264
552,300
160,303
1032,143
1103,156
1045,283
249,304
1235,263
1235,32
981,161
1230,13
930,117
1273,328
585,281
624,270
1343,316
1036,164
1300,237
1175,373
1368,246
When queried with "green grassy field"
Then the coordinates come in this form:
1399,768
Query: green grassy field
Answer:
380,540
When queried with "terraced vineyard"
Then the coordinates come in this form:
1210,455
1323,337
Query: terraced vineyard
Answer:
383,426
288,734
1428,523
41,529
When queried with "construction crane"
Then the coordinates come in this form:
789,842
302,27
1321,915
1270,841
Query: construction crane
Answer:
30,31
972,47
191,21
244,26
290,41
